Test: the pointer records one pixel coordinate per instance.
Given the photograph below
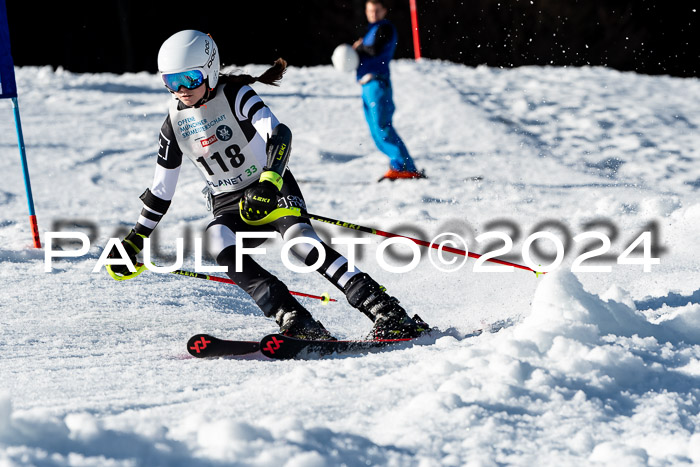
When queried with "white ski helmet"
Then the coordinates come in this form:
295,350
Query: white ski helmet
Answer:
189,50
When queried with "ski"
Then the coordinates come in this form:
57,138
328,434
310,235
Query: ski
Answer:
278,347
282,347
204,346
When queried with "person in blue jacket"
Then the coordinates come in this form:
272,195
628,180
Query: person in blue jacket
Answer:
376,49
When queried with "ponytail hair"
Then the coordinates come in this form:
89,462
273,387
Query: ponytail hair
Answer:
271,76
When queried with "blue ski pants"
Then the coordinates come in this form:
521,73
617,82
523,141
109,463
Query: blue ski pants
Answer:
379,109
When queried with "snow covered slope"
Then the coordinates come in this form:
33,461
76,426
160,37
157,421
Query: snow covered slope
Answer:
586,367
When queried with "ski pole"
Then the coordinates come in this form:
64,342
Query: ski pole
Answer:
25,171
361,228
325,298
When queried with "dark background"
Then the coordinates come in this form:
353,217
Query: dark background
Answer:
651,37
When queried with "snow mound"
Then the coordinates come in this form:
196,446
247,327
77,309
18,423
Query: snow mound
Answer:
562,308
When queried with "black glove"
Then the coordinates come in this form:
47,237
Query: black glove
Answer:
132,243
261,199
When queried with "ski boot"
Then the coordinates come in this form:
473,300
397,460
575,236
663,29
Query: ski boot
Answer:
295,321
392,322
390,319
393,174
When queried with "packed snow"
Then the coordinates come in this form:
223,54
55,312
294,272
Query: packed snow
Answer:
571,368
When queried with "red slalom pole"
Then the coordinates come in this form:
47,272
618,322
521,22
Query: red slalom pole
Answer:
414,28
417,241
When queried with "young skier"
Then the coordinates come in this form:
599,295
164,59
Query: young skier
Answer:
242,150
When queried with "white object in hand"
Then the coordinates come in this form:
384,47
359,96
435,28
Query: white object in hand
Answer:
345,58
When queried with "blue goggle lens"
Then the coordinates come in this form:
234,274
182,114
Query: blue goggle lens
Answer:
189,79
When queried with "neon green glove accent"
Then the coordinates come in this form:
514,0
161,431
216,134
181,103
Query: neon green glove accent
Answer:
120,277
132,245
273,216
272,177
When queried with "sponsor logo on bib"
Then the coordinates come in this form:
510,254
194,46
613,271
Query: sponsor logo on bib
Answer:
224,133
209,141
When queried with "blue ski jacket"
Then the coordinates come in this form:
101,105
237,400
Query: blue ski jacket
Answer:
377,49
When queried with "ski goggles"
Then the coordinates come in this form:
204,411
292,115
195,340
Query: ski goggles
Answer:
190,79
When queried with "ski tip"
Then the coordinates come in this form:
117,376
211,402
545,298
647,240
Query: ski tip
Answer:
198,344
206,346
271,346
